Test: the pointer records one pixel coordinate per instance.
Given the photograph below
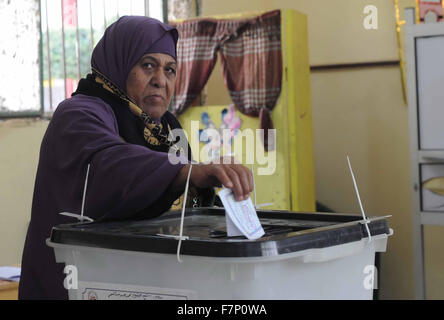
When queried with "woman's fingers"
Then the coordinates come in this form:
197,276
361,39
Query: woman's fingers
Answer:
237,184
222,175
244,174
244,178
232,176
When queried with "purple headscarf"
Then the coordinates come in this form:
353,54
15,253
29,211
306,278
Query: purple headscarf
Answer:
126,41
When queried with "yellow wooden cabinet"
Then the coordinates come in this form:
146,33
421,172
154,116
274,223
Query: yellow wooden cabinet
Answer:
291,186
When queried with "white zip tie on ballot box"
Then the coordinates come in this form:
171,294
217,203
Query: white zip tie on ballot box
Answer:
365,220
180,237
80,217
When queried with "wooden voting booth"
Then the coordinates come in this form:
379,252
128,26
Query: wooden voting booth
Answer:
291,185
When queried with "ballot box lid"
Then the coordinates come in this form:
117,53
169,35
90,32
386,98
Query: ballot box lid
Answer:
205,229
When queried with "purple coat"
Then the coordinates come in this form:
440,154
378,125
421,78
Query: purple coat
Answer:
126,180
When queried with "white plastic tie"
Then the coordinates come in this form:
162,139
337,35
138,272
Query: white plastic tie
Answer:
84,191
77,216
364,220
81,217
263,205
181,237
173,236
182,217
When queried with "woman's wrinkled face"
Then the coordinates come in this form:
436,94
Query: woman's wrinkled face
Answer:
150,83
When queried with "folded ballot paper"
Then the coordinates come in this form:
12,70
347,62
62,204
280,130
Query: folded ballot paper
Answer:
241,216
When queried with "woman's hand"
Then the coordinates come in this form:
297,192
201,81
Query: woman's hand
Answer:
233,176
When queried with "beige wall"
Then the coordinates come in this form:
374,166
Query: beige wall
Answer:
356,113
19,150
360,113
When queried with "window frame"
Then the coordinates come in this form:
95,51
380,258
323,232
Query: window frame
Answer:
41,113
4,115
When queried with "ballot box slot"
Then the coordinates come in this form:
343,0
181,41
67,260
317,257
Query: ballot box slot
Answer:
270,230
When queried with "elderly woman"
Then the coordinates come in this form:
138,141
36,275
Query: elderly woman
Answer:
117,121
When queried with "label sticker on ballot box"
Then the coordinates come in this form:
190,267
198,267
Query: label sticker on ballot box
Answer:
241,216
112,291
